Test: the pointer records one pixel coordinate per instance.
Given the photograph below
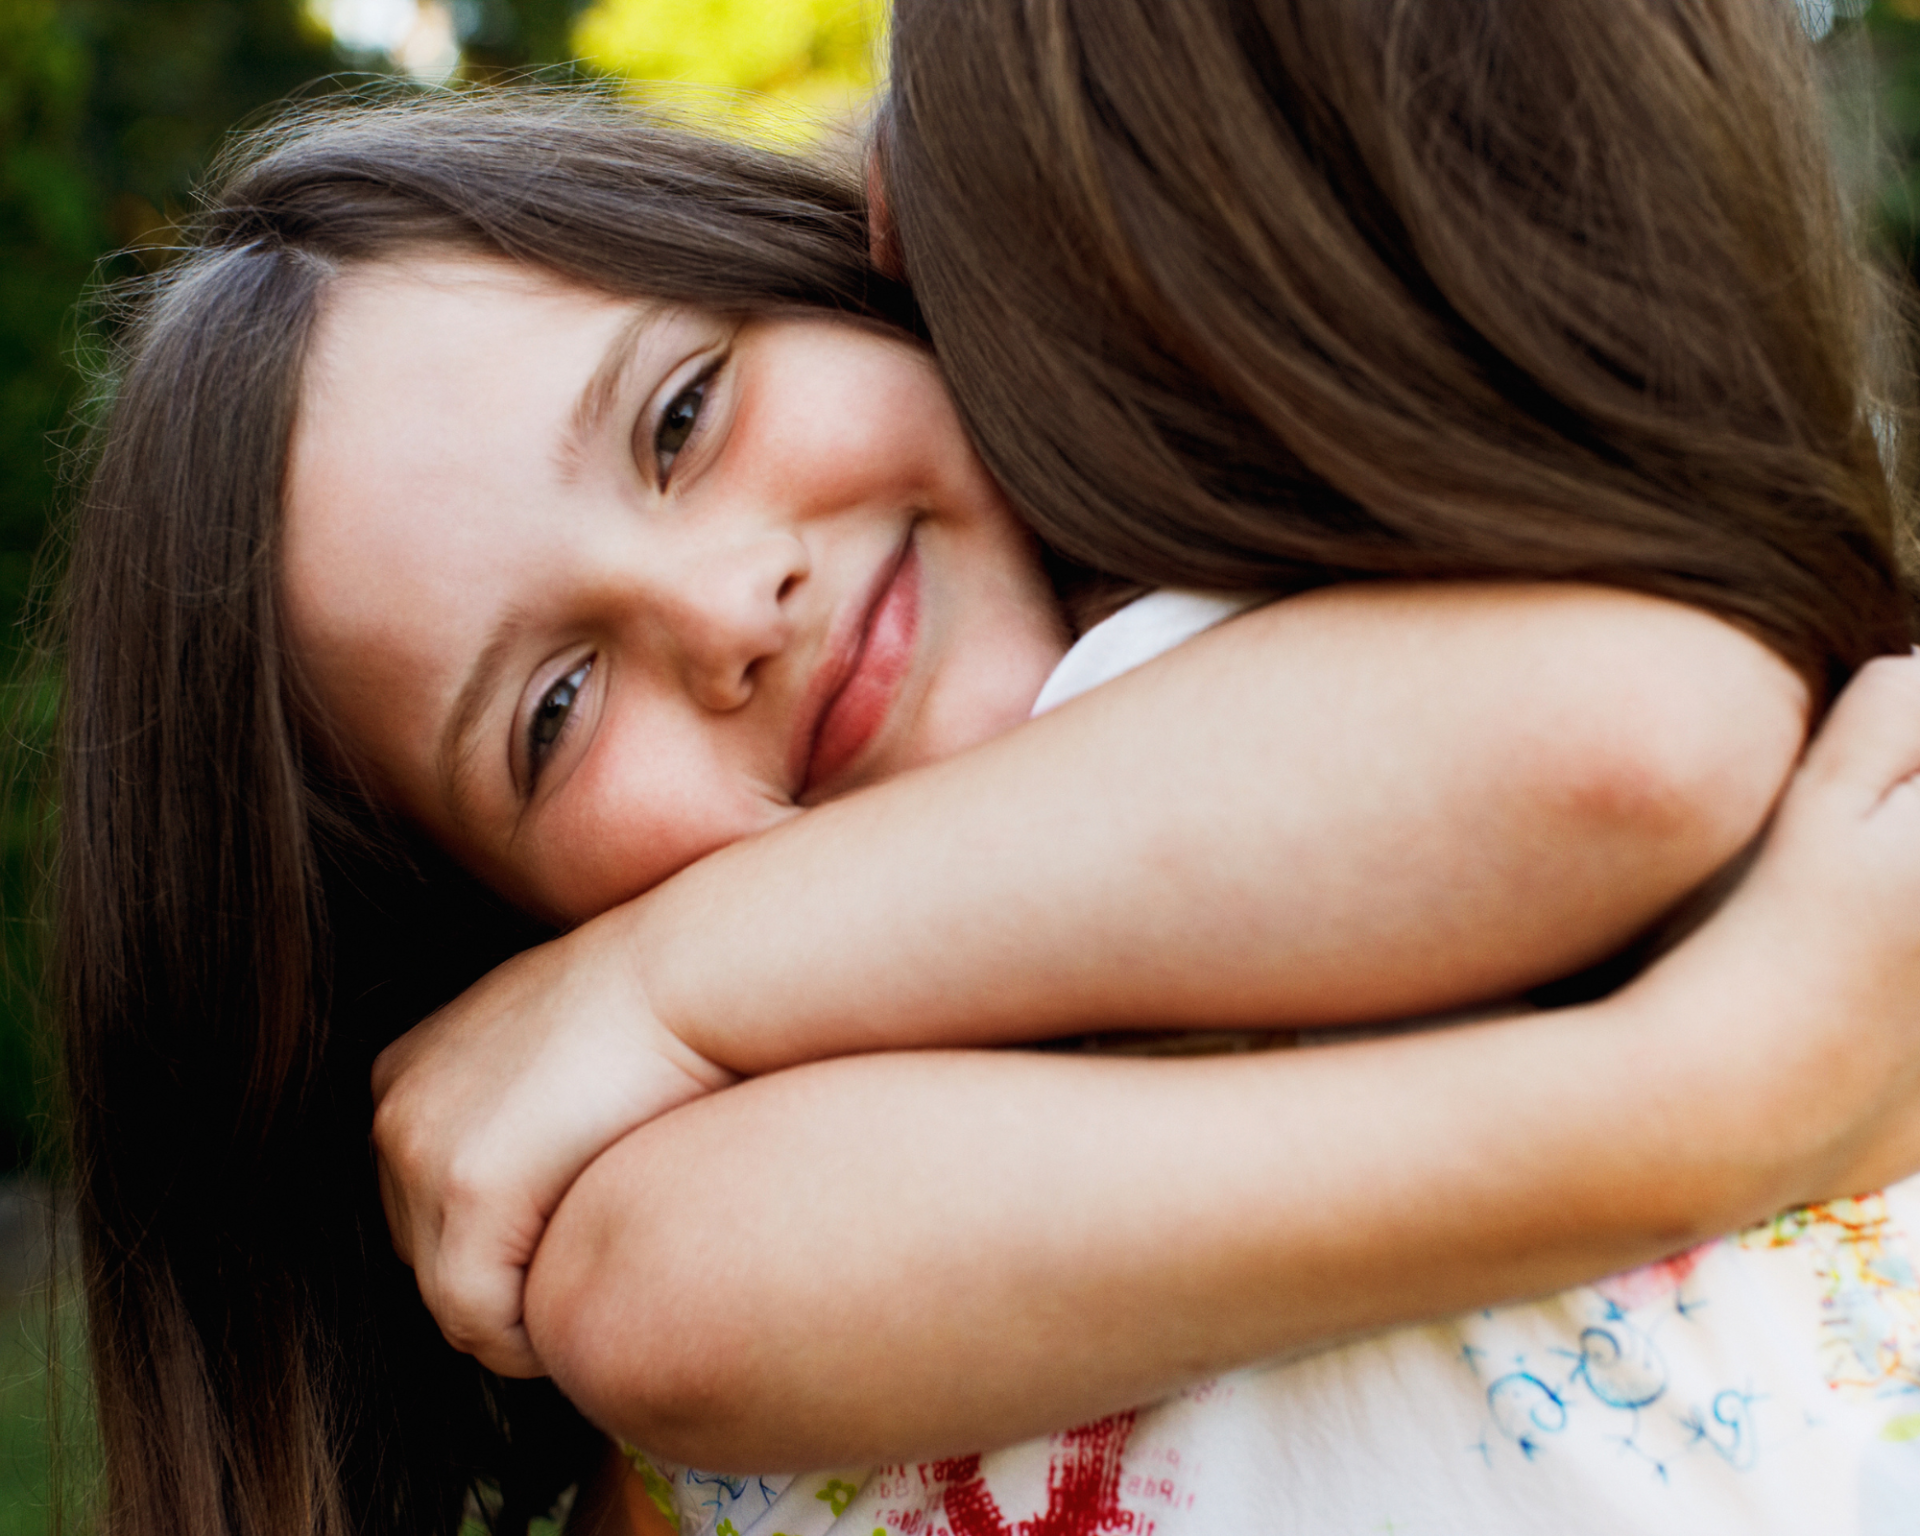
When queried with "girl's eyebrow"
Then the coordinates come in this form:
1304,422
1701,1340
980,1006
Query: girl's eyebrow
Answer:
602,390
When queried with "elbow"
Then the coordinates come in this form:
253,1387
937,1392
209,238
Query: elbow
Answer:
1682,770
616,1311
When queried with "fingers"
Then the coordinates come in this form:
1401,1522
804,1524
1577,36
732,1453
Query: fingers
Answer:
483,1317
393,1200
478,1304
512,1355
474,1290
1870,743
475,1287
471,1268
399,1054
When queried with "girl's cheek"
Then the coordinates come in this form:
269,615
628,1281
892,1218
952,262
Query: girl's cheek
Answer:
625,834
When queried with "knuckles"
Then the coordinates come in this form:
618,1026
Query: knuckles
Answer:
473,1186
403,1139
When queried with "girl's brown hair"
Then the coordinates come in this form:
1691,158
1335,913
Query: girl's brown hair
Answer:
230,954
1272,293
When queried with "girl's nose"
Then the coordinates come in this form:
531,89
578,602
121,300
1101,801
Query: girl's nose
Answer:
728,609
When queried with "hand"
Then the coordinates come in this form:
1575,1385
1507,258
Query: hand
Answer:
1809,980
485,1114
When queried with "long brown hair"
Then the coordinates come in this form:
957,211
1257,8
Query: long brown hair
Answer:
234,944
1272,293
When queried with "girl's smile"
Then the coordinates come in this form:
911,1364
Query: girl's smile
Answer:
593,587
856,692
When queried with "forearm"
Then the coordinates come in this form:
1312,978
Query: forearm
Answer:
1360,804
915,1254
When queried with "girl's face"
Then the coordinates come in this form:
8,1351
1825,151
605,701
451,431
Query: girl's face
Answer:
595,587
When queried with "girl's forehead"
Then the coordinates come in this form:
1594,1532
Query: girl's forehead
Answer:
434,391
447,295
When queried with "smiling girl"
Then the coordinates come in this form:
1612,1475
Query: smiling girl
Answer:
663,576
501,467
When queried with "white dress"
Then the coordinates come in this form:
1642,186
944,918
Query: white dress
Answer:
1767,1384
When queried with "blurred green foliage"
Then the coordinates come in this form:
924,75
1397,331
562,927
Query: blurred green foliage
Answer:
39,1409
507,35
1893,30
108,110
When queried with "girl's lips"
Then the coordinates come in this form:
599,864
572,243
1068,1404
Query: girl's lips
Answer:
855,711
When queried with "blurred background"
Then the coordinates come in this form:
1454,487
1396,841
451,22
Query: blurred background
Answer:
109,109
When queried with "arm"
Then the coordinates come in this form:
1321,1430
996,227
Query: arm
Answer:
1351,805
1362,804
908,1254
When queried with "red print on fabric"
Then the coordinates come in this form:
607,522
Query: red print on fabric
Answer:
1652,1282
1083,1488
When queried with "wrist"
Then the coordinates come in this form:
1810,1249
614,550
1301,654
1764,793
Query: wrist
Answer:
1743,1125
708,985
618,956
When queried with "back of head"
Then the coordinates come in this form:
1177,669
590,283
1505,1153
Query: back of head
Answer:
234,946
1269,293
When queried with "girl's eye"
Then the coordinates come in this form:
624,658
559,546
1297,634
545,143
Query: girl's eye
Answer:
677,422
550,716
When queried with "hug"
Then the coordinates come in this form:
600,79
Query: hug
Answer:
1268,521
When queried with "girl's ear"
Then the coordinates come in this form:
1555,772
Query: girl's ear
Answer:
882,249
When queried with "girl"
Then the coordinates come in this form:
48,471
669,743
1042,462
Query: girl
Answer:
249,1367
